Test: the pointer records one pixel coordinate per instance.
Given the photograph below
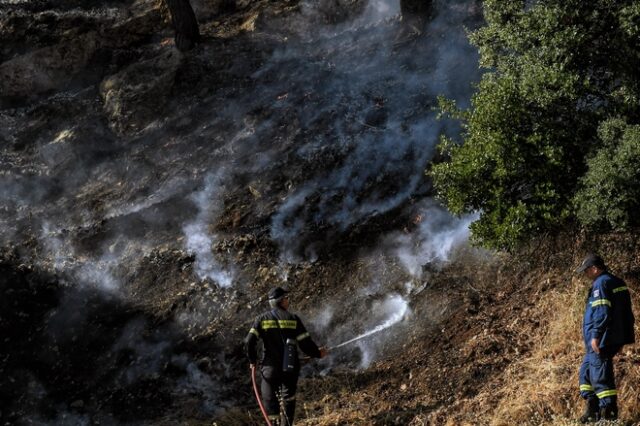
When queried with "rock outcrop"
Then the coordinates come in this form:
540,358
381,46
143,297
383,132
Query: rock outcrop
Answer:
48,68
133,96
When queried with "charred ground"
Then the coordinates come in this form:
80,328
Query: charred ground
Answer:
116,146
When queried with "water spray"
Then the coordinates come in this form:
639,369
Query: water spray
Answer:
355,339
395,318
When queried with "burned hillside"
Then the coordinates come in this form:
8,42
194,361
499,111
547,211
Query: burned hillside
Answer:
152,197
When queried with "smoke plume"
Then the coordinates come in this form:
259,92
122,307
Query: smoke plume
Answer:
376,87
435,240
199,240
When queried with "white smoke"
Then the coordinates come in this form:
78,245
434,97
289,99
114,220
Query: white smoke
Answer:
98,274
353,16
435,240
87,272
378,10
323,319
198,383
148,355
375,91
151,353
55,248
199,240
195,318
366,354
162,194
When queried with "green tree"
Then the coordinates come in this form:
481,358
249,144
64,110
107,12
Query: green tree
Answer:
556,70
610,191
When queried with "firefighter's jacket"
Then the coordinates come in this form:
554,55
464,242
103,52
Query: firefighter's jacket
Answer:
274,328
608,315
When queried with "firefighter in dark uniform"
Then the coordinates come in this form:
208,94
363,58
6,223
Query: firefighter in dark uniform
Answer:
281,332
607,326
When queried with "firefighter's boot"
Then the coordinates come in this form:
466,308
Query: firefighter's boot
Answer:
591,413
609,412
289,411
275,420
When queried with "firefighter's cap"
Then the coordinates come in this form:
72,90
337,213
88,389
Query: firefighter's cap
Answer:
591,259
277,293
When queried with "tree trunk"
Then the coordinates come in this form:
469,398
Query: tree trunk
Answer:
415,13
184,24
415,8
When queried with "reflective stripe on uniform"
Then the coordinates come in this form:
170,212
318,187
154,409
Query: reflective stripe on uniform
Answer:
267,324
607,393
586,387
293,324
302,336
619,289
600,302
254,331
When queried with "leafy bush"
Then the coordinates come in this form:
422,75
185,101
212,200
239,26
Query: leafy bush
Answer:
557,69
610,192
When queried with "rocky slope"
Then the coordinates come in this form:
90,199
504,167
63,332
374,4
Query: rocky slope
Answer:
152,197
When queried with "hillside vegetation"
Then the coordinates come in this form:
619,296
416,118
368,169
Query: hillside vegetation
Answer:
154,193
551,137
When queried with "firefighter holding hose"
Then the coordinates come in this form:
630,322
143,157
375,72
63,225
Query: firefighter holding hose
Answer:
281,332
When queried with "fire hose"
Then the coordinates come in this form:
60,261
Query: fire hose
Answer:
255,391
379,328
305,359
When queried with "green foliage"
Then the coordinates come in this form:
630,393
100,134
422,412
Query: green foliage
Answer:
557,69
610,192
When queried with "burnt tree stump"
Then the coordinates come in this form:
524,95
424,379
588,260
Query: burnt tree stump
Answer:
415,7
415,12
184,23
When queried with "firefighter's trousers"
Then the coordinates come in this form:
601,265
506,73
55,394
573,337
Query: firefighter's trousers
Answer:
276,388
597,378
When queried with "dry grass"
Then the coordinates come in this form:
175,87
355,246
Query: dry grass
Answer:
541,389
532,313
544,384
